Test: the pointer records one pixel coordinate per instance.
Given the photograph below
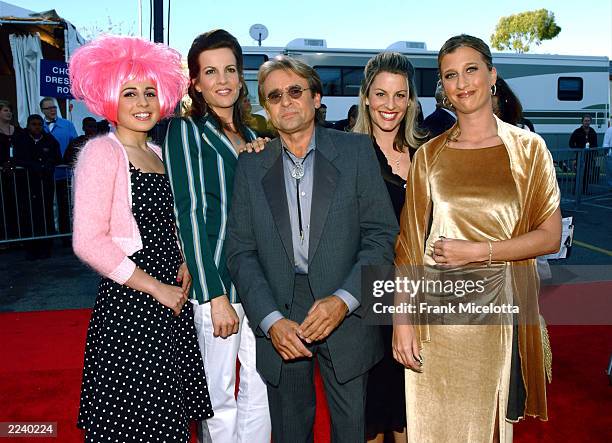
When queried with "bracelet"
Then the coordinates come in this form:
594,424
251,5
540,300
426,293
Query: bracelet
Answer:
490,253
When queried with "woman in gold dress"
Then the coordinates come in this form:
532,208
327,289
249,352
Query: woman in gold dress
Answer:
482,196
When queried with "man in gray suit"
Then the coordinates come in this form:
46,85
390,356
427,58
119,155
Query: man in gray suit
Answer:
308,212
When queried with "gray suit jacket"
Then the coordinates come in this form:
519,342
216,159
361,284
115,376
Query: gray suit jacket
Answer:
351,224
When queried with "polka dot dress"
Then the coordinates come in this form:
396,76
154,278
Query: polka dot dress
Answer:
143,378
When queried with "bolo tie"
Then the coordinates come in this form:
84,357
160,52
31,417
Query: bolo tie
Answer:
297,172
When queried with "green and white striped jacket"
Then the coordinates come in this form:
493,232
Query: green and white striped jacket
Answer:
200,162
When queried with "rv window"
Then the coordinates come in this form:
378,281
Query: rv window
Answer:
345,81
254,61
331,79
426,80
569,88
253,93
340,81
351,81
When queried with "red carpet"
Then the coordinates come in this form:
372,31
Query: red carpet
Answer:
42,355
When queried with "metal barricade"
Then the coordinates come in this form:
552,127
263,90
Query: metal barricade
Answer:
582,174
35,204
38,206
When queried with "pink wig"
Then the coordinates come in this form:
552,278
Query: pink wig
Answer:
101,67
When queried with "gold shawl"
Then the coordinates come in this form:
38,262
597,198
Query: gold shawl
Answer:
534,174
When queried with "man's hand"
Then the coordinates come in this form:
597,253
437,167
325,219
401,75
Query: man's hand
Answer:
286,341
323,317
257,145
224,318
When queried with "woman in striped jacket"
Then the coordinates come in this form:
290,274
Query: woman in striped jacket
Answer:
201,151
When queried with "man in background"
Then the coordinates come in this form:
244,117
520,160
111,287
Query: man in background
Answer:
322,117
441,119
346,124
64,132
583,135
90,130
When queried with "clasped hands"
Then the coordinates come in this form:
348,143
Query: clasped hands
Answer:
174,297
324,316
450,252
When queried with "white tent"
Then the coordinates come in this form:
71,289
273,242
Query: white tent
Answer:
8,10
27,53
27,31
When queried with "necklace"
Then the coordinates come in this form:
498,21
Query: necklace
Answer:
234,139
395,160
9,133
36,140
297,172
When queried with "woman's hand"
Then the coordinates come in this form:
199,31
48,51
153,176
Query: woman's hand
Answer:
453,252
224,318
170,296
256,145
405,347
184,278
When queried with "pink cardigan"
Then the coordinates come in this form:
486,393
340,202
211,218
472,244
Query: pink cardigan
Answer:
105,232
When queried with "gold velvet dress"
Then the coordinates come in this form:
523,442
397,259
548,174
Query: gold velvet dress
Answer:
477,195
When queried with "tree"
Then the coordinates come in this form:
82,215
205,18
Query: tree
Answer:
521,30
95,29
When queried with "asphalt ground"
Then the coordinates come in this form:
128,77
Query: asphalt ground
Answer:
63,282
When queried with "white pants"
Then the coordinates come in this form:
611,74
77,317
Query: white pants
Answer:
247,418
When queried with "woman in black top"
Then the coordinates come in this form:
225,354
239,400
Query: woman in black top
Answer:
8,201
387,112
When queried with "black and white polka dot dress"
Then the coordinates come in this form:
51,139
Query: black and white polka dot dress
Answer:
143,378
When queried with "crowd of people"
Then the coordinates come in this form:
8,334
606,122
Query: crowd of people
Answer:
223,245
35,164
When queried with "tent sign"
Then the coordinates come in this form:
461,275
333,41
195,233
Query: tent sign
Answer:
54,79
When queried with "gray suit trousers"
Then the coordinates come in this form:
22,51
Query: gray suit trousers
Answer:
292,402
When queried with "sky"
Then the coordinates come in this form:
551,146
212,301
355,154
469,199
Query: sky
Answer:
585,27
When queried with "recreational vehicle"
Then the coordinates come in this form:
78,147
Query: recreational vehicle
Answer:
555,90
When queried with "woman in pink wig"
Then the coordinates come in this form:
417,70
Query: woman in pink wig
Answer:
143,378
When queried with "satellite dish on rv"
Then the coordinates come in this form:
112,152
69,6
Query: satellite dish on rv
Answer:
258,32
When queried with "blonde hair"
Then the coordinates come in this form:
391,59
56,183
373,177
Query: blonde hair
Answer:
408,135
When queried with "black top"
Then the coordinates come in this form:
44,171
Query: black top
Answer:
5,144
395,184
73,149
437,122
579,138
38,156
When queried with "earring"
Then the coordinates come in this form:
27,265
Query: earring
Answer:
493,89
447,103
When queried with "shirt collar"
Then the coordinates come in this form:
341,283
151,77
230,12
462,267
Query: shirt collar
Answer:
311,146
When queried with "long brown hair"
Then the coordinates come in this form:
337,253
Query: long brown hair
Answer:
215,39
408,134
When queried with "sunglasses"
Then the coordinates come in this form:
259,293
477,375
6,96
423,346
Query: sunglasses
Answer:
295,92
